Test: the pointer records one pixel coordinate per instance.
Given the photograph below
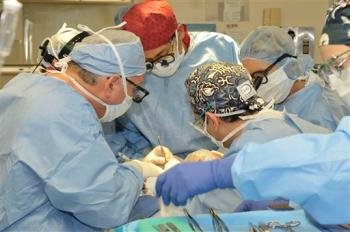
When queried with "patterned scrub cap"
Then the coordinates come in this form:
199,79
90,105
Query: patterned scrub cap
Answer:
223,89
337,27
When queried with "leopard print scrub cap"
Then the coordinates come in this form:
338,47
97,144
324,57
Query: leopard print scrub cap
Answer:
222,88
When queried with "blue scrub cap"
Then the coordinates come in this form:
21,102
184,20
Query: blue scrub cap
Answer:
337,27
223,89
95,55
268,43
121,11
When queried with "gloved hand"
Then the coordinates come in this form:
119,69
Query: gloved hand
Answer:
203,155
147,169
186,180
278,204
157,157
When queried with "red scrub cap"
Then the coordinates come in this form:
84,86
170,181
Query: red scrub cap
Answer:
153,21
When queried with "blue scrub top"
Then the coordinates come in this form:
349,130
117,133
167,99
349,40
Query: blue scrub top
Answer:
166,112
312,170
318,105
57,173
265,130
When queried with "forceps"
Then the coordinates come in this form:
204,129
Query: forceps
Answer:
218,224
162,149
192,222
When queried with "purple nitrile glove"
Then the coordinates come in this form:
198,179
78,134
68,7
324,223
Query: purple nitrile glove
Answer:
186,180
249,205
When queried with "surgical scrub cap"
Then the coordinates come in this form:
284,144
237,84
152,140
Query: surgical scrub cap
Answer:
119,15
268,43
95,55
337,27
153,21
222,88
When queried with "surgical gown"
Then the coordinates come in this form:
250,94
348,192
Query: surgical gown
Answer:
317,166
57,173
166,112
318,105
268,129
258,131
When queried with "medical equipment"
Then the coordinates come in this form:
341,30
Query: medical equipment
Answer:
274,225
192,222
162,149
303,38
8,24
218,224
166,227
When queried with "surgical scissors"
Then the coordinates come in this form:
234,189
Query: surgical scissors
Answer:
192,222
218,224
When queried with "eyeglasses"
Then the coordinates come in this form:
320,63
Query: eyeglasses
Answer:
139,93
165,60
338,61
260,77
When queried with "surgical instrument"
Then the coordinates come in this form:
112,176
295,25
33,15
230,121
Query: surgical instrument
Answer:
192,222
218,224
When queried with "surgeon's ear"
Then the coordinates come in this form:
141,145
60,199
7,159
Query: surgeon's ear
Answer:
181,32
109,85
213,120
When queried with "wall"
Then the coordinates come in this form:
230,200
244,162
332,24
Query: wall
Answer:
47,18
293,12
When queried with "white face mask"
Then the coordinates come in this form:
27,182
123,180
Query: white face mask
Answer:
277,87
219,143
112,111
340,82
166,71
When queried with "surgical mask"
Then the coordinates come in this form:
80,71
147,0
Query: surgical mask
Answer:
340,82
219,143
112,111
266,112
169,69
277,87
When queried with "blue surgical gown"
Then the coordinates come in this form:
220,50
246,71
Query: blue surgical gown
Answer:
268,129
312,170
166,111
57,173
258,131
318,105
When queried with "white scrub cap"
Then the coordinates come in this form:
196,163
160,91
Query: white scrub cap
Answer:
95,55
268,43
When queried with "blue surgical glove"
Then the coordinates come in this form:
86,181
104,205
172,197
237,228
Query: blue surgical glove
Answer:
248,205
186,180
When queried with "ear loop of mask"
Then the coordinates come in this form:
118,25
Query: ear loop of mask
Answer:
119,61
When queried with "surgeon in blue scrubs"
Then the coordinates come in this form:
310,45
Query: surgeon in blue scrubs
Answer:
269,54
171,53
57,172
312,170
232,114
335,49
